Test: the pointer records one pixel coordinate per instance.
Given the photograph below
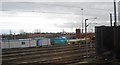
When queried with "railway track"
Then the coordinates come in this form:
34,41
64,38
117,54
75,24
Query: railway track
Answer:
47,55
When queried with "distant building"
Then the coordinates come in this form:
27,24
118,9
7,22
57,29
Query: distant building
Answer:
78,33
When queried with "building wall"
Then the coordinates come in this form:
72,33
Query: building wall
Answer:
14,44
5,45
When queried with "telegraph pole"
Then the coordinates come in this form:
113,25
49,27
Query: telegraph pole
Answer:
86,25
115,17
110,19
86,37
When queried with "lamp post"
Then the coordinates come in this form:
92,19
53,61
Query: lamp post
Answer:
82,20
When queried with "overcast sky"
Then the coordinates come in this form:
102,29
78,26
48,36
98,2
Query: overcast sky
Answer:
51,16
58,0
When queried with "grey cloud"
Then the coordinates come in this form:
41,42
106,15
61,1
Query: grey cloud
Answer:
62,5
0,6
94,9
90,9
69,25
58,0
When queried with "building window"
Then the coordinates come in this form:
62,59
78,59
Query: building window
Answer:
23,43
